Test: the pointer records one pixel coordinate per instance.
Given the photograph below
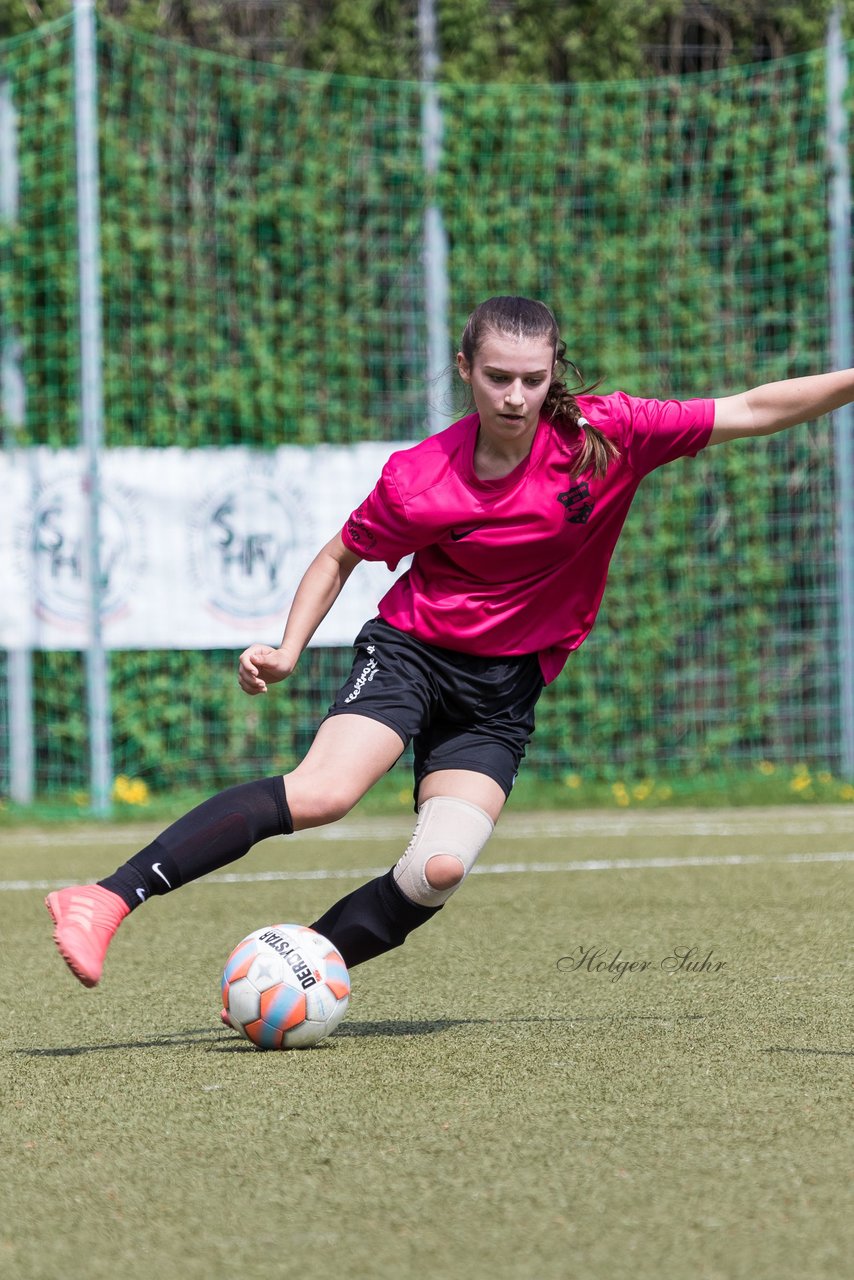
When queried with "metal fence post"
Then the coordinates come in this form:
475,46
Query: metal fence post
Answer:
19,663
91,389
436,290
841,341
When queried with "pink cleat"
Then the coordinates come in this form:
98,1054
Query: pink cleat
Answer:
86,917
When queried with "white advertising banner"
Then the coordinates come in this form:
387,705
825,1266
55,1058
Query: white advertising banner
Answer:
200,548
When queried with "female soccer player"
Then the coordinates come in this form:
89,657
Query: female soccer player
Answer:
511,516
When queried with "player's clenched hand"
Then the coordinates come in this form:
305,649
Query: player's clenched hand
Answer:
260,665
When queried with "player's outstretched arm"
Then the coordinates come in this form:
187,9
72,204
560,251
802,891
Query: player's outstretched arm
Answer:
777,405
261,665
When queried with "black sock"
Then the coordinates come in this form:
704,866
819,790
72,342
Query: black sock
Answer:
373,919
217,832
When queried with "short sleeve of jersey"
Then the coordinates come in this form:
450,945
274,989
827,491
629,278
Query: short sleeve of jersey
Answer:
654,432
379,528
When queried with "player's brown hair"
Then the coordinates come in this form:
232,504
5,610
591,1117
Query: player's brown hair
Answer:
528,318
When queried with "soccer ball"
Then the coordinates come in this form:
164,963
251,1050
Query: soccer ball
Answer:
285,987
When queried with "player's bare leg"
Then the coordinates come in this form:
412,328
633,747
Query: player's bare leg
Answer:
348,755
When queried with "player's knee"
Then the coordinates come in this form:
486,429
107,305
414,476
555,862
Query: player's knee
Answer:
333,804
314,802
448,836
444,871
331,809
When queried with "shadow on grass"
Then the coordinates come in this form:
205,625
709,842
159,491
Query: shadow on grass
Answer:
230,1042
390,1028
831,1053
190,1036
407,1028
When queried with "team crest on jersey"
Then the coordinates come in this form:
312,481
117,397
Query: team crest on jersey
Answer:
578,503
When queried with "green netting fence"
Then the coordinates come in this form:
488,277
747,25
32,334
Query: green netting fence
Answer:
262,240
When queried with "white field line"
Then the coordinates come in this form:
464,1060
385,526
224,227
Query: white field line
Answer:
494,869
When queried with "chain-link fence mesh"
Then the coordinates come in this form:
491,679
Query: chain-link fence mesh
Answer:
263,282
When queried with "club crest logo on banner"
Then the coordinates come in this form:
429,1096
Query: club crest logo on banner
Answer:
251,537
51,540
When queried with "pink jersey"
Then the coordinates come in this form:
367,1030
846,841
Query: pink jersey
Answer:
516,565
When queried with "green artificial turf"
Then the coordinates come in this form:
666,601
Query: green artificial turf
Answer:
498,1102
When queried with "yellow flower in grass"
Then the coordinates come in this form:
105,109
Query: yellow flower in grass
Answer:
800,782
130,790
138,792
573,781
643,790
846,792
766,767
620,794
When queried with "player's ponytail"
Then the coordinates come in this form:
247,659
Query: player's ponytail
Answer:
526,318
598,451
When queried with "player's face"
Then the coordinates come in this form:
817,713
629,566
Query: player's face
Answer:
509,379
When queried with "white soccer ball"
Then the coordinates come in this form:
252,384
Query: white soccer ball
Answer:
285,987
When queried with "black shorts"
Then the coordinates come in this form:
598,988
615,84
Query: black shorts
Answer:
460,711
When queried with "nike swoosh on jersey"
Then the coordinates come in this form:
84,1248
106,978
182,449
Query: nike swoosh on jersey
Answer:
458,534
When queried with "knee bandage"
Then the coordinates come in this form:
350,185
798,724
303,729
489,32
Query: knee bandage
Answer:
445,826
